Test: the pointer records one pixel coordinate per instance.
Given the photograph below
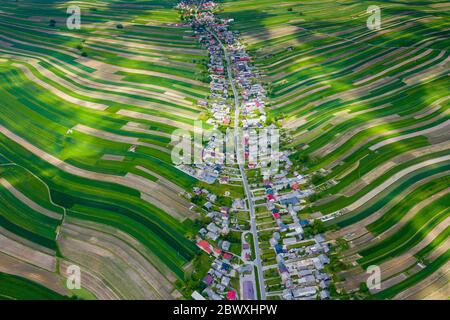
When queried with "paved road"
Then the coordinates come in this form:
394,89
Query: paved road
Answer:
242,170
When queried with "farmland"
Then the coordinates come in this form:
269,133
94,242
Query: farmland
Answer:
87,178
366,113
74,102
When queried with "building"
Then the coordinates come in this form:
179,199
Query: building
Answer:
324,295
304,292
231,295
205,246
208,280
197,296
226,245
227,256
288,241
248,290
225,281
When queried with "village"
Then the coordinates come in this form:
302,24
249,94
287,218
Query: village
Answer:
290,261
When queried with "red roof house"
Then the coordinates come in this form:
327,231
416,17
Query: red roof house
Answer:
227,256
204,245
231,295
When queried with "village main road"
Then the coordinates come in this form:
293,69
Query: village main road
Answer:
248,193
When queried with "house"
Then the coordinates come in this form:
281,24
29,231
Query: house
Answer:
208,205
282,268
323,276
224,180
304,223
304,292
225,281
304,273
289,201
324,295
227,256
205,246
212,197
231,295
238,204
324,259
197,296
212,235
202,103
212,214
203,232
288,241
226,245
224,210
211,294
317,263
217,251
298,229
220,287
212,227
225,267
307,280
287,295
208,280
278,248
314,249
273,242
319,238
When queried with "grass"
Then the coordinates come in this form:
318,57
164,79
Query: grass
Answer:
148,61
352,86
18,288
341,89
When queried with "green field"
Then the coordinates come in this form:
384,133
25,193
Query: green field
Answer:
17,288
361,108
86,175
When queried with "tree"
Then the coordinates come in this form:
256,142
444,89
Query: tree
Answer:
119,26
363,288
196,200
317,179
318,226
52,23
